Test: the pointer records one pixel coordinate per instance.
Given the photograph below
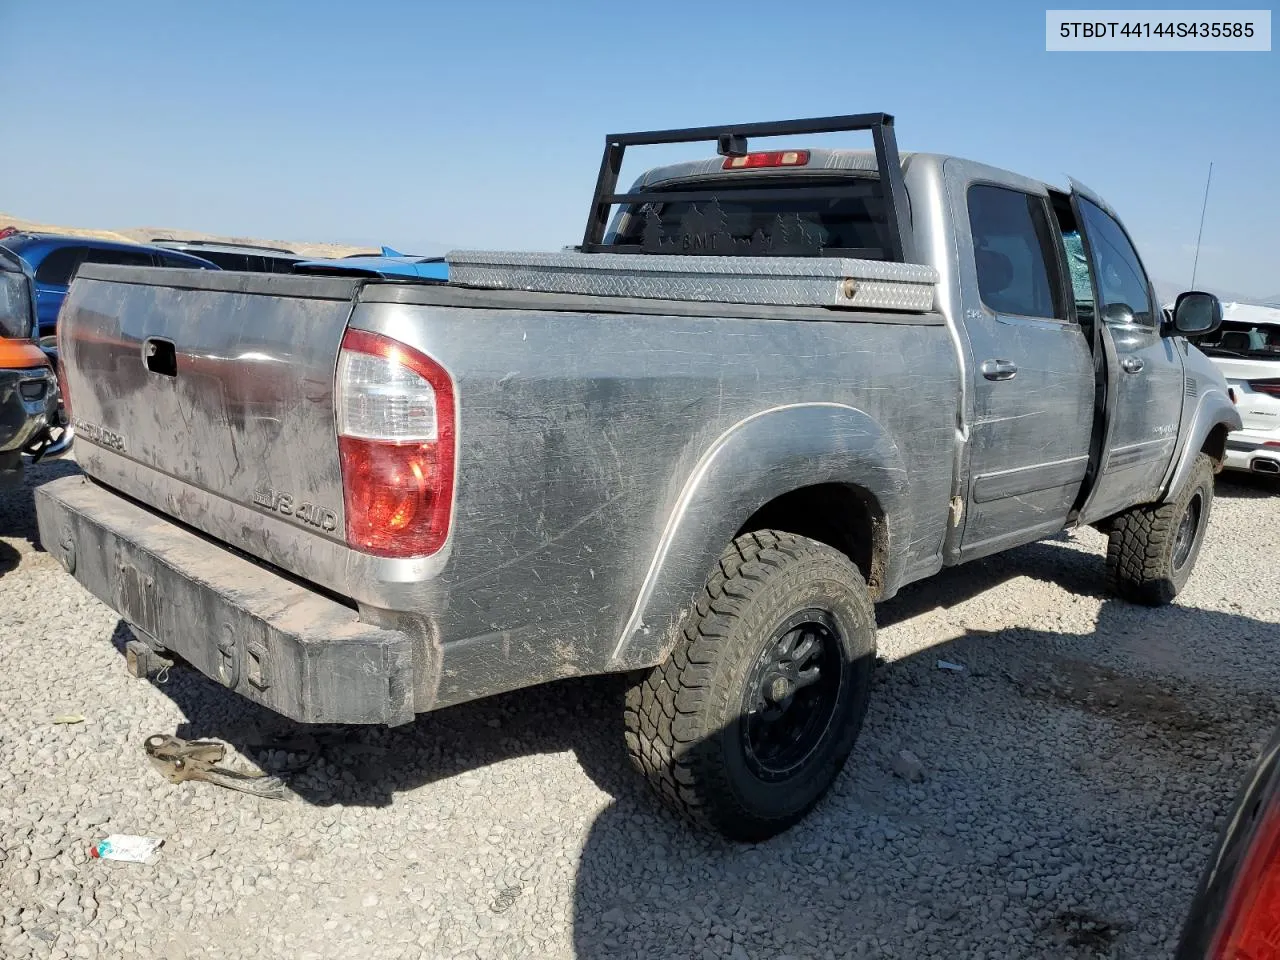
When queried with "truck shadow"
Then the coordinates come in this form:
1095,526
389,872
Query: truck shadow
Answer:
357,765
353,765
17,509
1077,571
9,558
1042,762
1054,725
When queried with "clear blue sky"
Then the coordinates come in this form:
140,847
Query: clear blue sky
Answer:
481,123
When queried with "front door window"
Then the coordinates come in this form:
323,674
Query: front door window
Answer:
1122,283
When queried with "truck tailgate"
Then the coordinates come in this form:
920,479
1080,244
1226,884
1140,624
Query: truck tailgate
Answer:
210,396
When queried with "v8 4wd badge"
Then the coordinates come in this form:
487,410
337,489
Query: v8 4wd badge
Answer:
284,504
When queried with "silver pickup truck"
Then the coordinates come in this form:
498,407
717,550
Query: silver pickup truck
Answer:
768,390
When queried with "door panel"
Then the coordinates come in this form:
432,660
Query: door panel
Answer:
1029,436
1032,371
1144,370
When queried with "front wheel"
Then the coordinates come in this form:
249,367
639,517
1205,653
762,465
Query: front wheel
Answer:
751,717
1152,549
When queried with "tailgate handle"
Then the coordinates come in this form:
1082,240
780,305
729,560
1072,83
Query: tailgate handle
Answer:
161,356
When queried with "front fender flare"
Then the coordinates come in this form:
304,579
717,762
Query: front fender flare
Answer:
1213,409
756,460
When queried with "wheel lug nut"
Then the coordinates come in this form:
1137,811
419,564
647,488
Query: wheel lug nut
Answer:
779,689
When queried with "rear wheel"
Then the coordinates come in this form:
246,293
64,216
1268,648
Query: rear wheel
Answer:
750,719
1152,549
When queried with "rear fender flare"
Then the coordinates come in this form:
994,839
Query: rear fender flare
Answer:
758,459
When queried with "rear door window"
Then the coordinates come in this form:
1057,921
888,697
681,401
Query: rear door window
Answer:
59,266
124,258
1014,253
232,261
1233,339
173,260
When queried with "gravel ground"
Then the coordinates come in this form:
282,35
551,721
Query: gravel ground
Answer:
1075,775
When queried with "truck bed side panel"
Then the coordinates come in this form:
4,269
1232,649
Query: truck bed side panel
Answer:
579,431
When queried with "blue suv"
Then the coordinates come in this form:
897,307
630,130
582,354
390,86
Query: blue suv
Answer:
55,259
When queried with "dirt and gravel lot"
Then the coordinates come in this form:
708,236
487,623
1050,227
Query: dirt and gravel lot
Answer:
1074,777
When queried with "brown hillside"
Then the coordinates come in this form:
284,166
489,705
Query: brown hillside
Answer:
146,234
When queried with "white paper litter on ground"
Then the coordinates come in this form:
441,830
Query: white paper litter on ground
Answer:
122,846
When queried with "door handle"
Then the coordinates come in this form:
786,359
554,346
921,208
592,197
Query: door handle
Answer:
999,369
160,356
1131,364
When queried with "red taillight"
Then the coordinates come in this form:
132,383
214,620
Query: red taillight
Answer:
1250,927
1269,387
392,493
772,158
396,428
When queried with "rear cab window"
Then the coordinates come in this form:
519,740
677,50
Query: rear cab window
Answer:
1014,253
847,223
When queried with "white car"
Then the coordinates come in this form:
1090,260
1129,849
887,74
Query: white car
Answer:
1246,348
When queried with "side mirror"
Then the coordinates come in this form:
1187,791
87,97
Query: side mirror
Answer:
1196,313
1119,314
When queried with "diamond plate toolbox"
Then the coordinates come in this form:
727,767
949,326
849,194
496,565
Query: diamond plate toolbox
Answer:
785,281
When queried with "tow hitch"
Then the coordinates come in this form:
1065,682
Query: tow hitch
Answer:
141,661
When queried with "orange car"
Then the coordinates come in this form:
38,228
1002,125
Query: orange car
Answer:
30,409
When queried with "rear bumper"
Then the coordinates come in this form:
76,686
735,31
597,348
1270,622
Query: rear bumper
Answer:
268,638
1245,453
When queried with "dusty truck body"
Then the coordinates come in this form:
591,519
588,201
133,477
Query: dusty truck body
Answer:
357,501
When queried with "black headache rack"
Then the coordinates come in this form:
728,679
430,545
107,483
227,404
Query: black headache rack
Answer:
731,141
